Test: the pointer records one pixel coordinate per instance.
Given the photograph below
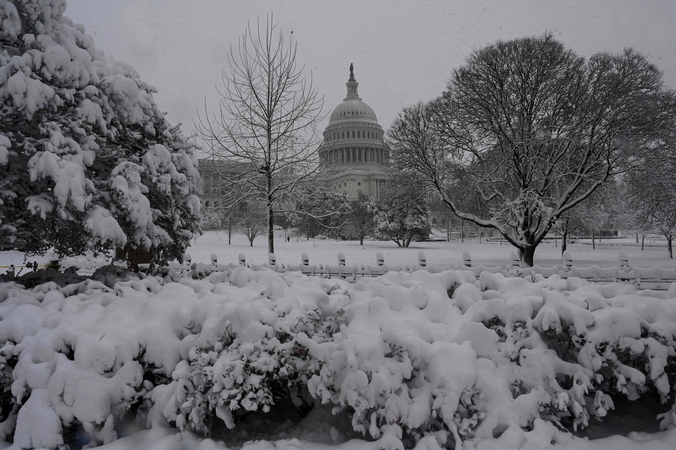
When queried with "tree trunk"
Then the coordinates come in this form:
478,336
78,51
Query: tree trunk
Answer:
670,247
556,242
361,240
271,228
642,242
527,255
637,237
229,236
564,244
593,241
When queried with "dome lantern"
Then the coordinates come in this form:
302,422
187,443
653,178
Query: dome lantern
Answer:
352,85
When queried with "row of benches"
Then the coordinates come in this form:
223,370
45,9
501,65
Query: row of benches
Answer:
644,278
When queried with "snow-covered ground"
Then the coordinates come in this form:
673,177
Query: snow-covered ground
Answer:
481,362
488,253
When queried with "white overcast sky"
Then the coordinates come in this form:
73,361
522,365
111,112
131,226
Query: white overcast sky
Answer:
403,51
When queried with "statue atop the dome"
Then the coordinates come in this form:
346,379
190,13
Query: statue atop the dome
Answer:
351,72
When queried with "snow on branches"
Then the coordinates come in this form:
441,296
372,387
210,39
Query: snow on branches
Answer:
73,122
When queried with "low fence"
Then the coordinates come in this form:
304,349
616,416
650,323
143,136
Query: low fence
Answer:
656,278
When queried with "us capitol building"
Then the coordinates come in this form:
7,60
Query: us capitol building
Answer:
353,153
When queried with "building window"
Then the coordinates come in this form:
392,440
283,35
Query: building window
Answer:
358,183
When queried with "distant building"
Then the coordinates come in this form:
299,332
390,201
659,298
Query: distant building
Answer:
217,176
354,153
213,173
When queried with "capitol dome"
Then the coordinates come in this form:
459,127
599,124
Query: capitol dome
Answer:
354,154
353,108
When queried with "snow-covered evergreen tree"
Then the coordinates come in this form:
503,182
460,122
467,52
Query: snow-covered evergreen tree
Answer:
87,160
401,215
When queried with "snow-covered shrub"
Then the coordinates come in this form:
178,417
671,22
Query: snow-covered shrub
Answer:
394,366
255,361
573,345
413,365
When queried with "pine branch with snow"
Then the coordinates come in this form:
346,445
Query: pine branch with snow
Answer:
87,160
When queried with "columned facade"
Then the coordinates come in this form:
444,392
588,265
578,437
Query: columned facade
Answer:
354,154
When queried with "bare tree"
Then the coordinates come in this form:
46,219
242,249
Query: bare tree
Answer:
266,122
532,130
589,215
651,187
250,217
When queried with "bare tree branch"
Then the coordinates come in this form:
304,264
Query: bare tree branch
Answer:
266,125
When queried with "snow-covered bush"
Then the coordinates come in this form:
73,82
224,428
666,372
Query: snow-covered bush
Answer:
393,365
409,363
87,160
256,360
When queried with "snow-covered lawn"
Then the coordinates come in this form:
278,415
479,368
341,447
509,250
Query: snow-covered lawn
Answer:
404,360
438,253
442,253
